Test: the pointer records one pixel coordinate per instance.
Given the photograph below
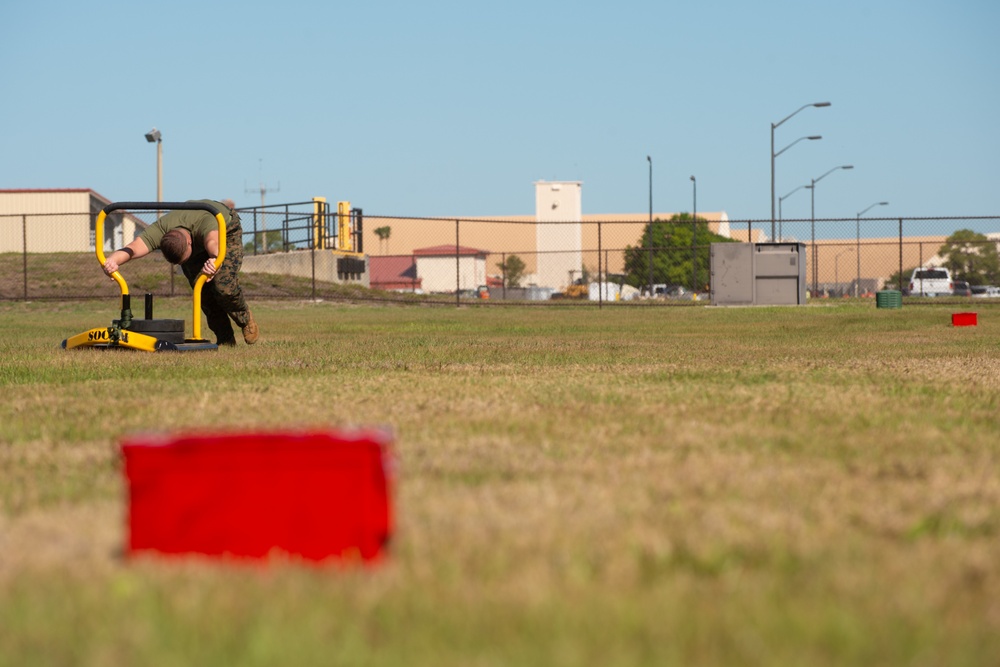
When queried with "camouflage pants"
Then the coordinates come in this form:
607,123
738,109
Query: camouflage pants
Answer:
222,298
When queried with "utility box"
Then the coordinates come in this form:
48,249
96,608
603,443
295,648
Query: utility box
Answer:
731,269
759,274
779,274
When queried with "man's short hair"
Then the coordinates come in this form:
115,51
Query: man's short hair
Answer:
173,245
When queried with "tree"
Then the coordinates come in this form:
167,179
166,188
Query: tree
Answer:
383,233
900,280
513,270
664,254
971,257
274,242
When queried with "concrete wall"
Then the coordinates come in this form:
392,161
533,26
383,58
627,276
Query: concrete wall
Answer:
300,263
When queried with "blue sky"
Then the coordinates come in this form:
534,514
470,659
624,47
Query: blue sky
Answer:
455,108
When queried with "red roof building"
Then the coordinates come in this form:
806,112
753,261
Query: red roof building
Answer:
395,272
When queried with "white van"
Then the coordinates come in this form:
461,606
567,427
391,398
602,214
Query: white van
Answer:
931,281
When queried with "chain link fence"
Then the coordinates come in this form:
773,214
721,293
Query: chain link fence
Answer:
307,250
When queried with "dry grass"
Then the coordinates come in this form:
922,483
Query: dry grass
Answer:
683,486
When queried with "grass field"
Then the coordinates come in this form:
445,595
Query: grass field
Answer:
670,486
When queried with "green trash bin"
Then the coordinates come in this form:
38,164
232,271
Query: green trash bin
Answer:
889,298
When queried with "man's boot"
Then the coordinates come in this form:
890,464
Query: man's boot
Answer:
250,332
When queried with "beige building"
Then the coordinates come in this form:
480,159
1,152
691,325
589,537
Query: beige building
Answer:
60,220
556,244
437,269
844,261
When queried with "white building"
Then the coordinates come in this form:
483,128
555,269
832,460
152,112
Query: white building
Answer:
437,268
558,237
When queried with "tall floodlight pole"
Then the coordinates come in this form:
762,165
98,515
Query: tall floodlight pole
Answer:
155,136
775,126
858,242
812,217
781,234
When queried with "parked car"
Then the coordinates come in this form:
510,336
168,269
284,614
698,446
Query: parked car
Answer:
985,291
931,281
962,288
661,291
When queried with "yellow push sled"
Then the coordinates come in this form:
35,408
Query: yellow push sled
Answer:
148,334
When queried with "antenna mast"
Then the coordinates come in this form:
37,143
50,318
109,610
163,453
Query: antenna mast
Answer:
263,190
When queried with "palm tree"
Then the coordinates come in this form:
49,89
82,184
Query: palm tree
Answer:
383,234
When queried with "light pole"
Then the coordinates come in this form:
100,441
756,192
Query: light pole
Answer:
154,136
858,242
814,137
650,161
775,126
781,199
694,232
836,272
812,217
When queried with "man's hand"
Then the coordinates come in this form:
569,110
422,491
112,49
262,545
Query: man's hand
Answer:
110,266
209,269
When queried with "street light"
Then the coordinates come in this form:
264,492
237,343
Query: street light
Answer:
814,137
650,232
781,199
858,241
694,232
836,272
775,126
650,161
812,217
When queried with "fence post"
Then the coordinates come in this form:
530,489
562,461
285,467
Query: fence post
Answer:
650,263
312,259
255,237
900,256
694,254
458,259
600,268
284,232
815,263
503,275
24,254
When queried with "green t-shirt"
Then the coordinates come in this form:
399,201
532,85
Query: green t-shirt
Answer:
198,223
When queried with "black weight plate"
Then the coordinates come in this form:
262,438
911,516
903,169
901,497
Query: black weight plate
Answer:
149,326
169,336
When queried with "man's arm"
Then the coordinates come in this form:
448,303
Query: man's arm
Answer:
114,261
212,248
